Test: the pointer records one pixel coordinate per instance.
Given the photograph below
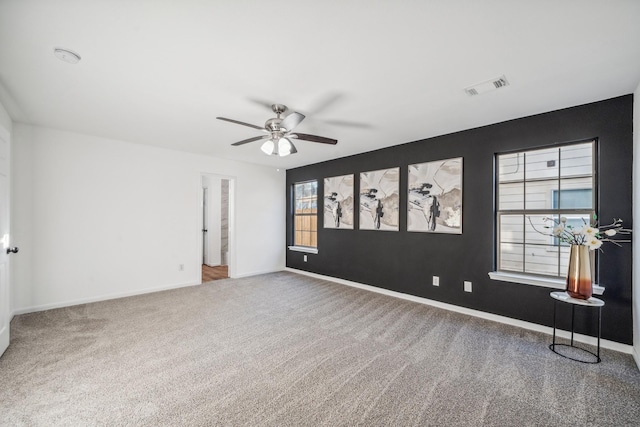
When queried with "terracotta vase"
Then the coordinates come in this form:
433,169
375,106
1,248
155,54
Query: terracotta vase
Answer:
579,284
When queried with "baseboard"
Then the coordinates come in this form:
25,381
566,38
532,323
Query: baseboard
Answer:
256,273
121,295
612,345
636,356
99,298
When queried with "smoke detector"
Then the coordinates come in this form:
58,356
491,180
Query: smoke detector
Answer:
66,55
487,86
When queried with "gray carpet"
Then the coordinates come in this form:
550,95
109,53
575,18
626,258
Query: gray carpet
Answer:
286,350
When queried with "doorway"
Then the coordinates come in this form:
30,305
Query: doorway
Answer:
215,241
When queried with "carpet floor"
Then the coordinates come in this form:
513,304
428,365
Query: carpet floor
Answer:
287,350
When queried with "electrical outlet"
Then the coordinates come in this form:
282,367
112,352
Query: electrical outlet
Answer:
304,258
180,267
436,281
467,286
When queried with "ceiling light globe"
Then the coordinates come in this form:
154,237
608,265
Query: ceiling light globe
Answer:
268,147
284,147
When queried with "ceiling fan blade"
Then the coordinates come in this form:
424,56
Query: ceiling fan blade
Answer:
347,124
314,138
294,150
255,138
291,121
261,102
325,102
241,123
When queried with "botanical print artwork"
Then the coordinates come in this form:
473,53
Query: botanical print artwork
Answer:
338,202
435,197
379,199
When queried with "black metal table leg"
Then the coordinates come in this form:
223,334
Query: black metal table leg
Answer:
555,304
599,330
591,302
573,317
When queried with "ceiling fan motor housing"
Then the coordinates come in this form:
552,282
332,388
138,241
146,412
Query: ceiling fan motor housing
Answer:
273,125
279,109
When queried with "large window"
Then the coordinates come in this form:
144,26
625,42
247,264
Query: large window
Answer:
305,214
534,185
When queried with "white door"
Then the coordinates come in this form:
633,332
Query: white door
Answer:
205,255
4,236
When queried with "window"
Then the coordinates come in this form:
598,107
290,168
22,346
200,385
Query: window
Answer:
305,214
571,199
533,185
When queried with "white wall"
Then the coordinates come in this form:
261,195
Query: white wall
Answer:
5,119
636,221
21,214
97,218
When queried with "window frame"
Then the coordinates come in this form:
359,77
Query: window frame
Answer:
570,217
532,278
294,215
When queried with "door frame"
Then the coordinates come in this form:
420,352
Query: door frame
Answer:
231,259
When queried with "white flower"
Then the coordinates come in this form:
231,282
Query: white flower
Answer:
588,235
594,243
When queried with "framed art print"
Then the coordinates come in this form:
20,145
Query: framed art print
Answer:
435,197
338,202
380,199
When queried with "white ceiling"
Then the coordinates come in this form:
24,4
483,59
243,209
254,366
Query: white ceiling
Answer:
158,72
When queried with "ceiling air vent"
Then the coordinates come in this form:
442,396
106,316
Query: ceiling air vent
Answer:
487,86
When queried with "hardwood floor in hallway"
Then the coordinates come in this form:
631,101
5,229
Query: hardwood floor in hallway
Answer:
214,273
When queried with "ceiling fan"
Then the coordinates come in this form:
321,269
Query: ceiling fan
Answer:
279,133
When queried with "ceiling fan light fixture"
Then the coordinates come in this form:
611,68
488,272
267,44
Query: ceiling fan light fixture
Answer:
269,148
278,133
284,147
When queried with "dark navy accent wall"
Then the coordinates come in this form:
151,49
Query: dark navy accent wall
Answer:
406,261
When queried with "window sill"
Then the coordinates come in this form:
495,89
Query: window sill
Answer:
305,249
546,282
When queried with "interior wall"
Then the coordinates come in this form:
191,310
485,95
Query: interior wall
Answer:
636,217
405,262
22,214
97,218
5,119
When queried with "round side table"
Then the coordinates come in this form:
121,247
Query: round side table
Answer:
563,297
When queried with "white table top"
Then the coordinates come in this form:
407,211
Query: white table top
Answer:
564,297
